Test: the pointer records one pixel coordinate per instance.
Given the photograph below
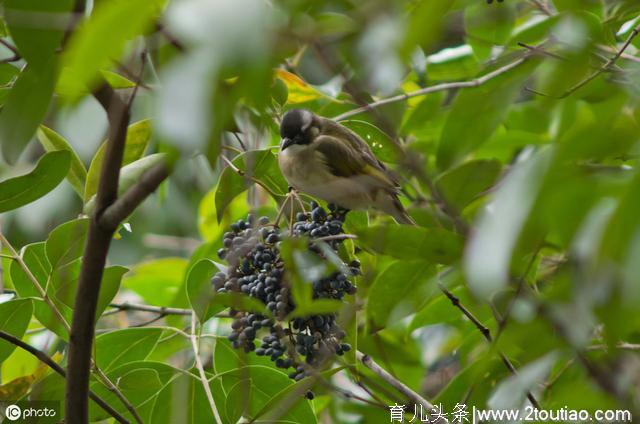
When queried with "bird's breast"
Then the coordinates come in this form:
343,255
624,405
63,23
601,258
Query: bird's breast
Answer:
301,167
306,170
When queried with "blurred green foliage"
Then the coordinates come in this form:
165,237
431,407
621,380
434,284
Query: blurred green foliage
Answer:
515,130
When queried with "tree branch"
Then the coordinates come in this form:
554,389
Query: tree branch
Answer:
103,378
414,397
634,33
160,310
16,54
487,335
93,261
427,90
607,65
203,376
46,359
128,202
147,308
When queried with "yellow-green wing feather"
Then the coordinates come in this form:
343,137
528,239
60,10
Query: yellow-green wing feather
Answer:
344,160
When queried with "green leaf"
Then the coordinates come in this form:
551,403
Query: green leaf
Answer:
489,251
240,302
24,109
278,405
488,26
511,393
7,73
138,381
381,144
259,164
95,44
63,285
438,309
263,384
129,175
37,27
52,141
454,63
138,137
621,231
184,390
226,358
48,173
477,112
67,85
117,81
400,290
66,242
425,25
408,242
200,291
123,346
157,281
14,319
109,286
35,258
462,184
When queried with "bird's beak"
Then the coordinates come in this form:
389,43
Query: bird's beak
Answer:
286,142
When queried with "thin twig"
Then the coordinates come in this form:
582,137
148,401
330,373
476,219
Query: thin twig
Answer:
244,174
541,51
435,88
620,345
143,57
455,301
148,322
10,47
604,378
114,389
148,308
624,55
414,397
350,395
161,310
203,376
607,65
172,40
235,134
46,359
336,237
16,55
543,6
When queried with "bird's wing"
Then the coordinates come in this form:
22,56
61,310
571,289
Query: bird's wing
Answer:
349,161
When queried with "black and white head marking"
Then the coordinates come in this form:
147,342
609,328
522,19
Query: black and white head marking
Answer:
297,127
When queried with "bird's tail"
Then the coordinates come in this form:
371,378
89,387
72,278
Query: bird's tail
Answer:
402,217
399,213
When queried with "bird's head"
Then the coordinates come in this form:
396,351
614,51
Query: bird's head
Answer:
298,126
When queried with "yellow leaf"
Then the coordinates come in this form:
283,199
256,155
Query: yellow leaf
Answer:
18,387
299,90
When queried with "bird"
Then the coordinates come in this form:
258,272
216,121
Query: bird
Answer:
327,160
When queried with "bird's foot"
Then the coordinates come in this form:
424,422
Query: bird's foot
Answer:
338,211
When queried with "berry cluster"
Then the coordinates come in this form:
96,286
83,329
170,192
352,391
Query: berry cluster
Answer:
255,268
